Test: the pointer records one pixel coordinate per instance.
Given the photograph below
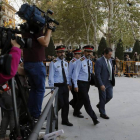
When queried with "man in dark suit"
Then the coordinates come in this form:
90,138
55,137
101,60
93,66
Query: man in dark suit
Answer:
105,78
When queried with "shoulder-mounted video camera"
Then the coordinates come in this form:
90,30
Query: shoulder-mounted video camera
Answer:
36,19
6,34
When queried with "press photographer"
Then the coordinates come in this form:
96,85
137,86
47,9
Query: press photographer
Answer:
9,63
8,68
10,52
39,28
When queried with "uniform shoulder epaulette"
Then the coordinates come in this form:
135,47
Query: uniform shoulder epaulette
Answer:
73,60
54,60
82,58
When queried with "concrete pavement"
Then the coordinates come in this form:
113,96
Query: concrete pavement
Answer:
123,110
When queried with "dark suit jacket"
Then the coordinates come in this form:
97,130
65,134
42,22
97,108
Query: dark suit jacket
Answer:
102,73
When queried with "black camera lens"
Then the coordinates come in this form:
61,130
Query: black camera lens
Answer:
5,64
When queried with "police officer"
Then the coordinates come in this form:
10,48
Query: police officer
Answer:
72,65
81,80
58,76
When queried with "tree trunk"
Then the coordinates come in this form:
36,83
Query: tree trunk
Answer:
88,29
94,24
87,26
113,48
95,34
110,23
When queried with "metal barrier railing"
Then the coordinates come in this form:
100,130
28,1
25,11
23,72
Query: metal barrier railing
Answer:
51,113
119,68
126,68
122,67
131,67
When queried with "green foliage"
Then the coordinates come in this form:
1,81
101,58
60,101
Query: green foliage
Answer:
28,1
69,13
74,18
126,22
102,46
136,47
119,50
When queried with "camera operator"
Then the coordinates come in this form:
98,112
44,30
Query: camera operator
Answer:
35,69
16,54
5,96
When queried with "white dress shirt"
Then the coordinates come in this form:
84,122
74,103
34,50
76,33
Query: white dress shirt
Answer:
109,64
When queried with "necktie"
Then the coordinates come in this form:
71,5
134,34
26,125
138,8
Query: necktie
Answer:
63,73
88,71
109,69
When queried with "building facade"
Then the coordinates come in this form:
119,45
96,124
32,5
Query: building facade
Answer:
7,14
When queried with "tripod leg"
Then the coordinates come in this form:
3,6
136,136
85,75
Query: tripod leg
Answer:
15,109
24,100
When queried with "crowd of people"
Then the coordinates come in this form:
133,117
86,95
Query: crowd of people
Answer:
76,76
118,66
130,67
70,70
36,72
69,56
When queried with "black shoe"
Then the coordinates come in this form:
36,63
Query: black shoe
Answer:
35,119
95,121
104,116
80,112
67,123
71,103
97,106
78,115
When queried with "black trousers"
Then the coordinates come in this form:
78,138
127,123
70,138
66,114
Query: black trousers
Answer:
74,100
83,99
63,102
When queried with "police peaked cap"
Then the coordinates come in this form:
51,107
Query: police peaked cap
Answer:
77,51
60,48
88,48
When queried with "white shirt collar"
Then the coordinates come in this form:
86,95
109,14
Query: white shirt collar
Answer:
86,58
60,59
105,58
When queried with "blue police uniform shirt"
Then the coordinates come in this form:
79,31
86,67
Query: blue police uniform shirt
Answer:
81,70
55,72
72,65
